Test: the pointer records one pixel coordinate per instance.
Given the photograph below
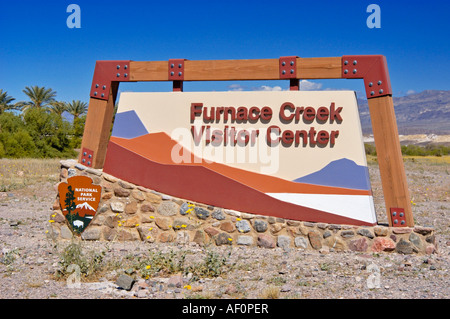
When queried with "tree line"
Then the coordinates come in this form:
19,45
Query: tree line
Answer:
37,128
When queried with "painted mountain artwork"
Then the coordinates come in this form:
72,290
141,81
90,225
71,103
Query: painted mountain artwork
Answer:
79,200
317,170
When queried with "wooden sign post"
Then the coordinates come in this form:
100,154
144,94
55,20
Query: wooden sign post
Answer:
371,68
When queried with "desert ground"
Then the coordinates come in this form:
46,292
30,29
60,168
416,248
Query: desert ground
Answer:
31,262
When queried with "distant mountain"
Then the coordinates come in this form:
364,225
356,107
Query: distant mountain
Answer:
340,173
85,209
419,113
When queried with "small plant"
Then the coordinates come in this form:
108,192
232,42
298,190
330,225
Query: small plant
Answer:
212,265
9,257
89,264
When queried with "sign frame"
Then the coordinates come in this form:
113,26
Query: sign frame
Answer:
371,68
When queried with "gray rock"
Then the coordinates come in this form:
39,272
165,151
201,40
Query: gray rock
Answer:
284,241
404,247
218,214
301,242
202,213
68,163
71,172
81,167
286,288
168,208
125,282
184,208
243,226
66,233
326,234
245,240
260,225
347,233
365,232
415,239
117,207
223,239
91,233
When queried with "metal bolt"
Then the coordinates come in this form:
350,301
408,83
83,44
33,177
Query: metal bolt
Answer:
172,73
104,87
179,73
283,63
118,74
125,75
125,67
292,63
283,72
90,156
84,153
379,82
395,221
345,62
394,214
103,94
83,160
372,93
95,93
402,222
381,91
354,71
345,71
96,86
355,62
172,65
401,214
292,71
180,65
89,163
370,84
118,67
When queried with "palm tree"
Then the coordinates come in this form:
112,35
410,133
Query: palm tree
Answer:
76,108
58,107
5,102
39,96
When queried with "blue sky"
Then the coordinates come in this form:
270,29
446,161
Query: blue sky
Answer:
37,47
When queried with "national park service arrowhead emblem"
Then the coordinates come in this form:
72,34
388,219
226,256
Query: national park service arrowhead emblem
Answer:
79,200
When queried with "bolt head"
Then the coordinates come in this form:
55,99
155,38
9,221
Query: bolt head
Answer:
372,93
125,75
118,74
95,93
89,163
180,65
103,95
354,71
180,73
125,67
355,62
172,73
283,72
394,214
381,91
402,222
292,63
118,67
172,65
379,82
401,214
84,153
96,86
104,87
283,63
90,156
370,84
345,71
83,160
395,221
345,62
292,71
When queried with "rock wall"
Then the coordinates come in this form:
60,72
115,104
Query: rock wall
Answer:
130,212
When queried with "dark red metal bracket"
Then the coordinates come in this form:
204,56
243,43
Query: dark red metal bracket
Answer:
176,73
398,217
107,72
288,70
373,69
86,157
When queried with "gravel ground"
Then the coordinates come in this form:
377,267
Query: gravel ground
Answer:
29,259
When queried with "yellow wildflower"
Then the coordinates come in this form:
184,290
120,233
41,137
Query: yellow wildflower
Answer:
147,267
51,221
188,287
238,219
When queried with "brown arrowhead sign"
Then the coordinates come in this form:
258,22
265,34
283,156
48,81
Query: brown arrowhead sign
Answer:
79,200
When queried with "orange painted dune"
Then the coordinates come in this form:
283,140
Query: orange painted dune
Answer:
157,147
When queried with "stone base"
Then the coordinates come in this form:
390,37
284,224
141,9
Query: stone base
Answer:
129,212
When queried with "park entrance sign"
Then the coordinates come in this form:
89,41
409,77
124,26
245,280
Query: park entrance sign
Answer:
291,154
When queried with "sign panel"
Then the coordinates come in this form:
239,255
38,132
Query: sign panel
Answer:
290,154
79,200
